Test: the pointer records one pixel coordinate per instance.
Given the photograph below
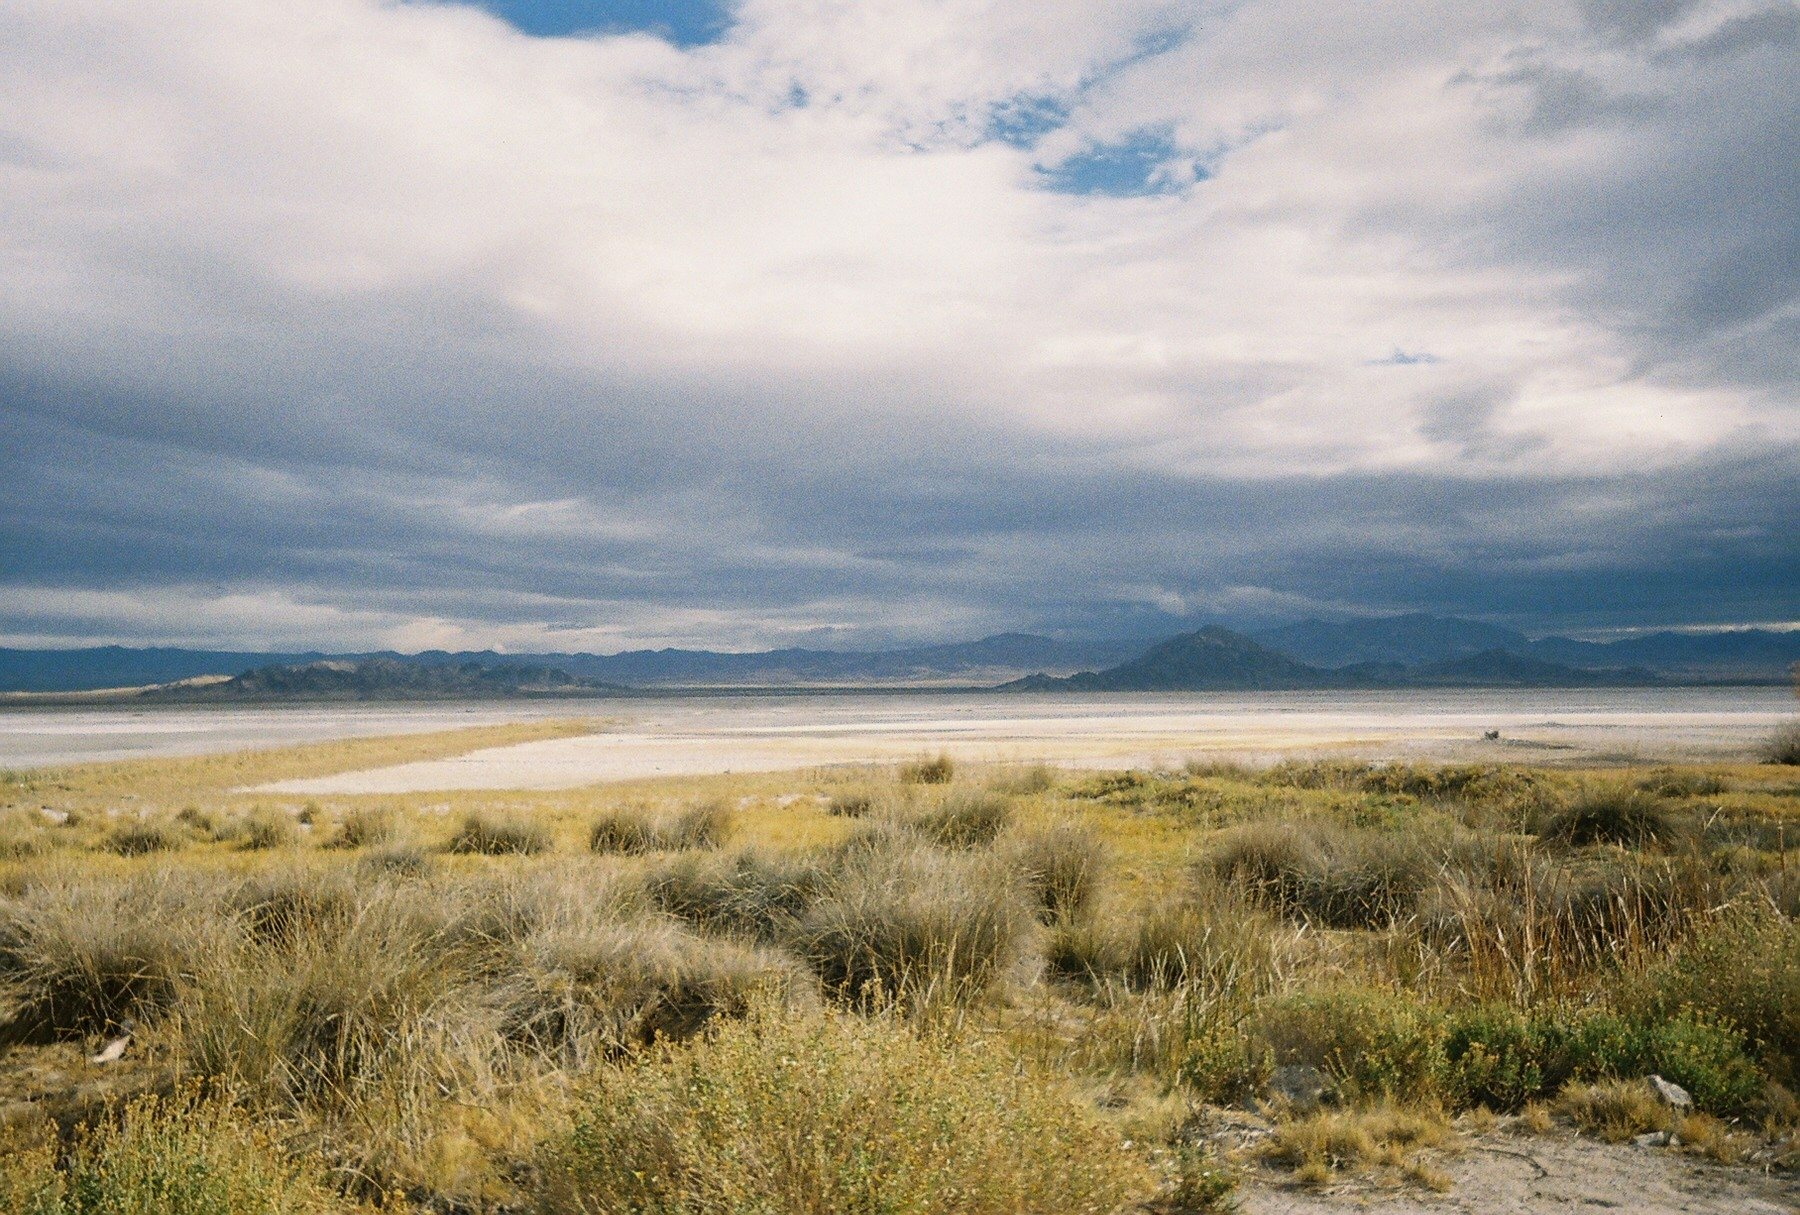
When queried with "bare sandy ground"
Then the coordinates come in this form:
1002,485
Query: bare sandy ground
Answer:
761,734
1546,1176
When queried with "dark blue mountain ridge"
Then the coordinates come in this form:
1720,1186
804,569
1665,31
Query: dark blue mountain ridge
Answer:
1412,640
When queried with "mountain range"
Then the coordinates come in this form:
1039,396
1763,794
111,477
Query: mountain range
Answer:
1217,659
1386,651
384,679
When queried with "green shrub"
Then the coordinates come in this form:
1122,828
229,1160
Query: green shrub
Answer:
181,1156
1743,970
492,834
1222,1064
968,818
1375,1044
1629,817
1203,1182
1503,1057
816,1115
1704,1057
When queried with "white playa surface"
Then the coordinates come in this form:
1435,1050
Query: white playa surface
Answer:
31,738
699,735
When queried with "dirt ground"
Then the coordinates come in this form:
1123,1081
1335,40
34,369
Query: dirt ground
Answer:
1549,1175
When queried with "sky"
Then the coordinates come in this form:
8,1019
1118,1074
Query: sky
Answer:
554,325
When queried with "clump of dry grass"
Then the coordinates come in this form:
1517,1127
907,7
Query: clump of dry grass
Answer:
280,906
1615,1110
851,803
1342,877
79,957
1206,941
345,1005
1065,868
818,1114
754,892
1783,746
368,827
914,923
21,837
491,833
937,769
266,827
1381,1137
967,818
1629,817
182,1155
629,831
581,993
142,836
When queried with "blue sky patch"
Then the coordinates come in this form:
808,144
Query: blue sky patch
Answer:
1145,162
682,22
1404,358
1023,120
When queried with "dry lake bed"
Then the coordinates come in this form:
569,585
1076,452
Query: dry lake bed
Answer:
684,734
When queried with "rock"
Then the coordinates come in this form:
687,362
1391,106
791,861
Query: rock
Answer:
1299,1085
112,1051
1671,1094
1653,1139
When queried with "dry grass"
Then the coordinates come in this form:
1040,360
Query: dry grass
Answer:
633,831
492,833
817,1114
1319,1146
1615,1110
1046,966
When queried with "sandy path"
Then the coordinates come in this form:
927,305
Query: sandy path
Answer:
685,737
1547,1176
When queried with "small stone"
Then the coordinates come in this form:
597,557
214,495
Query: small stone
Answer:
1671,1094
1653,1139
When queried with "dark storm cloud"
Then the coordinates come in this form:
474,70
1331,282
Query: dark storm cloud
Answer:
611,343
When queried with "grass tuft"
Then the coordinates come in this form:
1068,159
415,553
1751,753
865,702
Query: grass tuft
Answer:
818,1114
490,833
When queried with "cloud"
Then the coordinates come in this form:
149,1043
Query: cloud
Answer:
891,320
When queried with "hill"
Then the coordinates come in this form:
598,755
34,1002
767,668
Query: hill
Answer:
1212,658
1217,659
1412,639
987,660
385,679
